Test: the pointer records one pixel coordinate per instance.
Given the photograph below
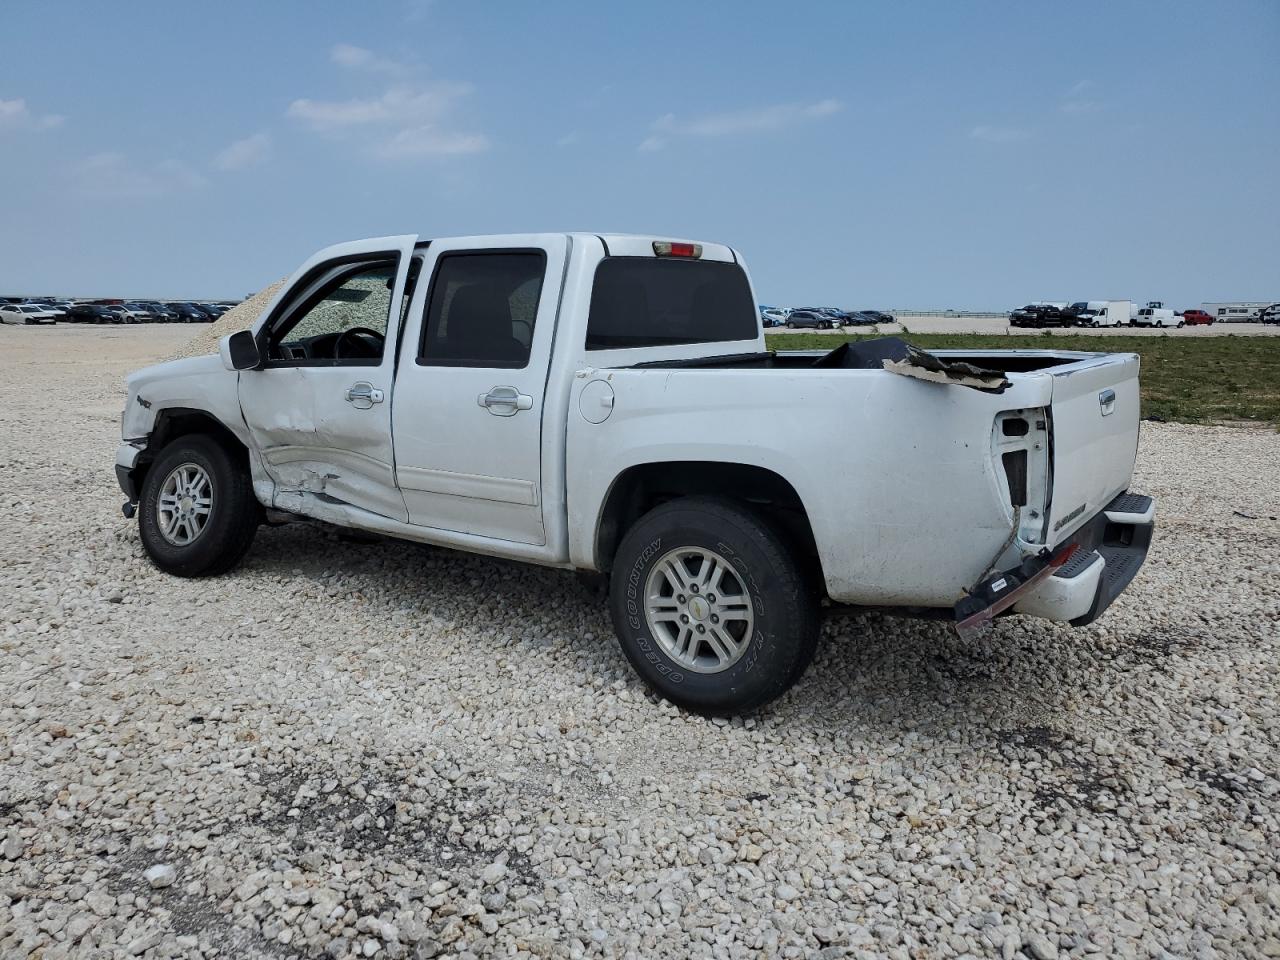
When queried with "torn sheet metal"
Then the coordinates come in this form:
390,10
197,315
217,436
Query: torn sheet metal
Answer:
898,356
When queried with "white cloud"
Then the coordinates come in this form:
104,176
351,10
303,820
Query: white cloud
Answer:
245,153
16,114
13,111
1081,106
401,104
991,134
408,120
429,141
752,120
113,175
1075,100
358,58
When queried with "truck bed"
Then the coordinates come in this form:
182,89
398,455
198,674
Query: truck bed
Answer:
913,474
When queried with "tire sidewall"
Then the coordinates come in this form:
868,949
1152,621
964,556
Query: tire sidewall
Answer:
203,553
768,665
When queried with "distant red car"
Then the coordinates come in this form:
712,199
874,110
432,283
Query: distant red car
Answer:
1192,317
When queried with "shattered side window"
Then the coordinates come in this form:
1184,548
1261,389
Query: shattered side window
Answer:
362,300
343,317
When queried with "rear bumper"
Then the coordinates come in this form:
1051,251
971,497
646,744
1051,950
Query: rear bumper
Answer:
1078,580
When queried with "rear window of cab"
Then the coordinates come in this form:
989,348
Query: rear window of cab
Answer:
659,301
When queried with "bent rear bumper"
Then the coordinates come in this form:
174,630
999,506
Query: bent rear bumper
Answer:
1077,581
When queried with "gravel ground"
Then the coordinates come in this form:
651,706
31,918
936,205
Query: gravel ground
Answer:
375,749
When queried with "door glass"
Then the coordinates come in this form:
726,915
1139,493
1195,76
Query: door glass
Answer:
341,319
482,309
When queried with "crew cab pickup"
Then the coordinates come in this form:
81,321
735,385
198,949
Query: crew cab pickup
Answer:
606,403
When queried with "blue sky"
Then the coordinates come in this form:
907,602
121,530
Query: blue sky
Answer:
862,155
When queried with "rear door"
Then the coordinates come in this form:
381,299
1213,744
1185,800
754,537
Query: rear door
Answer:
1095,437
319,408
467,415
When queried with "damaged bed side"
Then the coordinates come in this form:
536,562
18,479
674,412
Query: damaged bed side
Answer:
1019,504
898,356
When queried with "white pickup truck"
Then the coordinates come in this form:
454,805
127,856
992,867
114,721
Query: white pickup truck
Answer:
606,403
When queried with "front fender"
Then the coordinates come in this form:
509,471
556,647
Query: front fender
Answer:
196,384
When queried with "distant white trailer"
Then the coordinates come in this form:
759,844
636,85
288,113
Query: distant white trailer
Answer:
1239,311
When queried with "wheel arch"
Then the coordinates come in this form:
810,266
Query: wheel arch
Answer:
643,486
174,422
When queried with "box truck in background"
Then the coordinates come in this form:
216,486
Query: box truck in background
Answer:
1102,313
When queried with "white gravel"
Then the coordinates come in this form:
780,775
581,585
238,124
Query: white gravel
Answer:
376,749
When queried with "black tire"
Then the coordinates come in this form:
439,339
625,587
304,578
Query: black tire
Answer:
233,518
784,603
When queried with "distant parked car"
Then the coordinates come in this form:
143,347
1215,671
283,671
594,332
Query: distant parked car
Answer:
215,310
1270,314
879,316
91,313
59,312
773,316
142,312
26,313
1041,315
862,318
838,316
834,317
809,318
189,313
162,312
124,313
1196,317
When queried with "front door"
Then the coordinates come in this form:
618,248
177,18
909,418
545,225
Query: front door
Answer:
319,408
467,415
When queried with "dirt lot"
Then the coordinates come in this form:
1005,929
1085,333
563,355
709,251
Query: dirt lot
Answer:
346,750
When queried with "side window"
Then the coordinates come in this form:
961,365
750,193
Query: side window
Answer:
340,317
482,309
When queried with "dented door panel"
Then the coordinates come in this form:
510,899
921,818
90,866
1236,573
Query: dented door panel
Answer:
315,435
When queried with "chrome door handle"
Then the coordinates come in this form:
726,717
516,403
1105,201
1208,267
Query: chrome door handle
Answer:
364,395
1107,402
505,401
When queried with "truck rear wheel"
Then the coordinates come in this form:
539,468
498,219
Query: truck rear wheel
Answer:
198,514
712,606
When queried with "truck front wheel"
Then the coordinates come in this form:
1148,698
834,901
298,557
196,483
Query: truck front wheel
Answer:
198,514
712,606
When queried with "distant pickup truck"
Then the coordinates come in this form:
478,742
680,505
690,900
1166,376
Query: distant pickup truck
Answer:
1041,315
607,404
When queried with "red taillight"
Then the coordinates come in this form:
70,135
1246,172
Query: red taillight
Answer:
663,248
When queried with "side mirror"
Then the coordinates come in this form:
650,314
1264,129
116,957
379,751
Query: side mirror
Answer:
239,351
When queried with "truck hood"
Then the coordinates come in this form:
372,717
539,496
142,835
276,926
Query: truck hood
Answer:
186,367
